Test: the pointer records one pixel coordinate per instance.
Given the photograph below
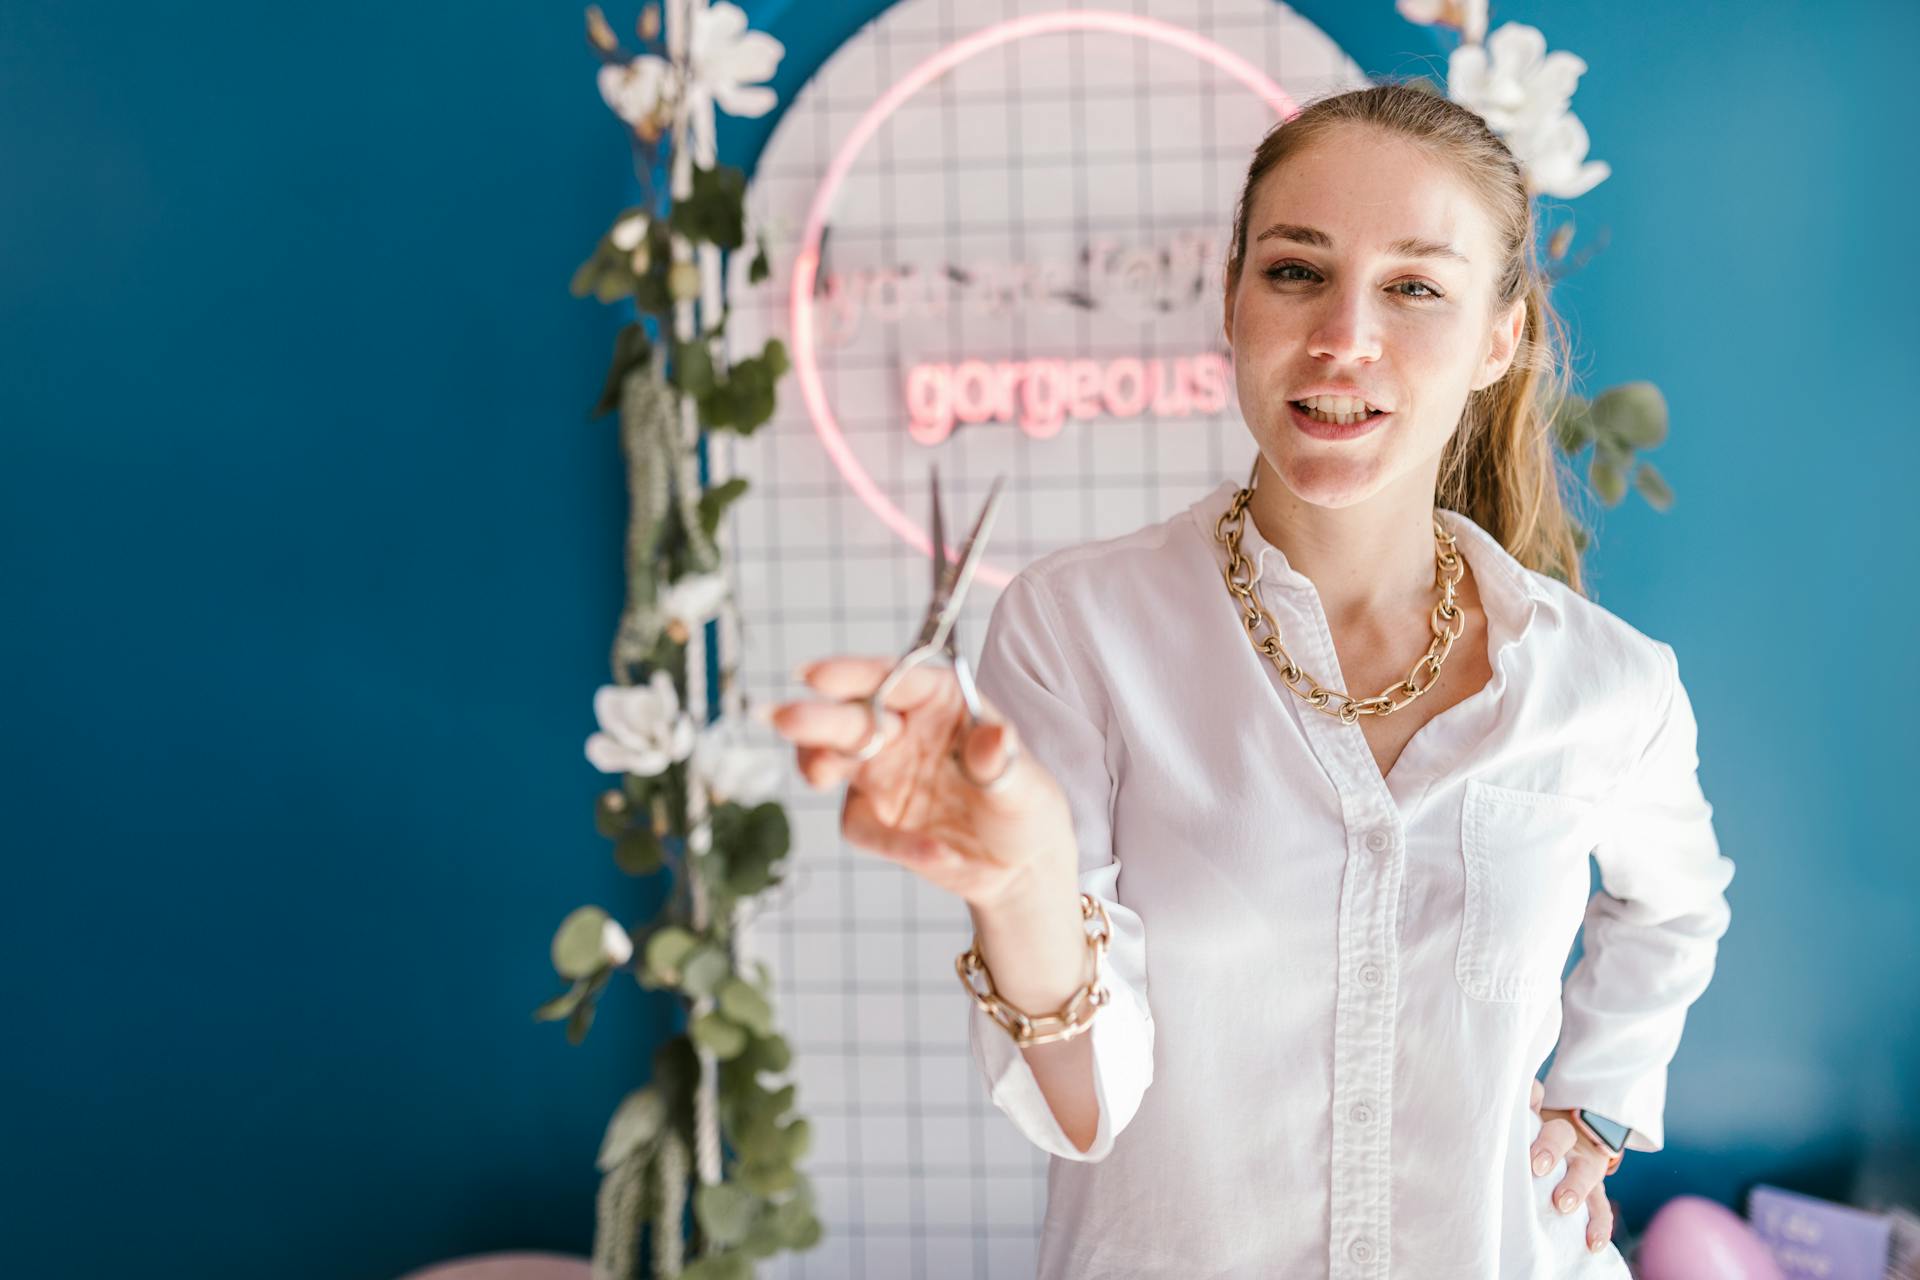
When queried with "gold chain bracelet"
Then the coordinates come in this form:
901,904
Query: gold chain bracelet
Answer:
1074,1017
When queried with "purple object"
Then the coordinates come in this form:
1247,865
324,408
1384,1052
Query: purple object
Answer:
1818,1238
508,1266
1692,1238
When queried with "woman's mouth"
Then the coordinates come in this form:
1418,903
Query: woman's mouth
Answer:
1321,429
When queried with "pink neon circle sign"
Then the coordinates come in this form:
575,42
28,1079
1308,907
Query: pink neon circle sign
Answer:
806,265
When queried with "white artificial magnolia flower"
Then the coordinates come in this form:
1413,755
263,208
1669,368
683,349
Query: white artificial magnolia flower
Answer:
1554,154
1512,81
692,600
640,92
728,61
615,945
642,728
725,63
628,232
1468,17
732,769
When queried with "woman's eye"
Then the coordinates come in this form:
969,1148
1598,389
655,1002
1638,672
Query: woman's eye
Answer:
1428,292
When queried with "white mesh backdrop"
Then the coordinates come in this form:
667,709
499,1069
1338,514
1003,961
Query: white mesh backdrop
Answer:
1093,163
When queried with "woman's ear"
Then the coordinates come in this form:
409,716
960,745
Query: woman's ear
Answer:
1502,346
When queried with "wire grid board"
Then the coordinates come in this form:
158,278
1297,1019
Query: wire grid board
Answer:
1112,161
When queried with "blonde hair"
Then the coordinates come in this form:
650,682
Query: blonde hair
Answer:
1501,467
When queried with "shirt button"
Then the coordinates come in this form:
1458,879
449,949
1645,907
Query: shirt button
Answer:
1361,1113
1360,1251
1379,840
1370,975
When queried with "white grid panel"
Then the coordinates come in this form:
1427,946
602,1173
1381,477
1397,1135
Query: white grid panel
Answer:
1033,152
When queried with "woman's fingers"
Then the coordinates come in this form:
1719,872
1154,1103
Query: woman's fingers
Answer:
1599,1219
1585,1172
861,824
841,726
856,677
1554,1140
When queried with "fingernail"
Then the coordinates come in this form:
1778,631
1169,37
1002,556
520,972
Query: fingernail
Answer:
763,711
1565,1201
1595,1243
1541,1163
800,672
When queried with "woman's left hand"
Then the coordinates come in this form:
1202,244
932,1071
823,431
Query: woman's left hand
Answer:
1587,1164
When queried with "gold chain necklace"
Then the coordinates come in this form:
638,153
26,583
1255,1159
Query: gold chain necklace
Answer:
1447,573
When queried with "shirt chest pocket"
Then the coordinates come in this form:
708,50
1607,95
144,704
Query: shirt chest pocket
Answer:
1526,888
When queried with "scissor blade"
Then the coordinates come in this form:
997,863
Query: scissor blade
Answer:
954,593
937,533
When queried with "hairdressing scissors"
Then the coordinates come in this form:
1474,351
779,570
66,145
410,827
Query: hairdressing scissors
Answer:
951,580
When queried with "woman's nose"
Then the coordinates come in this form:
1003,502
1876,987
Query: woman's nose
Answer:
1345,328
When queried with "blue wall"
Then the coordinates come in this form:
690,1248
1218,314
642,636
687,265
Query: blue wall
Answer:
310,566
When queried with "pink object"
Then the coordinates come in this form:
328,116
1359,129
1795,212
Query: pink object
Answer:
508,1266
1692,1238
806,265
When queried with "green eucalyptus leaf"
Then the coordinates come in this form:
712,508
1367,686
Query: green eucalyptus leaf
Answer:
612,811
796,1138
561,1005
758,269
704,971
725,1210
763,1238
665,951
693,367
719,1266
631,349
715,501
1611,452
581,1020
774,356
797,1226
1573,425
713,210
579,946
638,852
712,1032
587,274
772,1053
746,1006
1653,487
766,1179
636,1122
1634,414
1609,481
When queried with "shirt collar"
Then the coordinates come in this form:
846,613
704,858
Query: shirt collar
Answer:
1510,593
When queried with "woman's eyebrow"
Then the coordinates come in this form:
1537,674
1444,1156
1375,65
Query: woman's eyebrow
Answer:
1408,247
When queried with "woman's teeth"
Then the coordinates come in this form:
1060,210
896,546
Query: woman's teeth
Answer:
1342,419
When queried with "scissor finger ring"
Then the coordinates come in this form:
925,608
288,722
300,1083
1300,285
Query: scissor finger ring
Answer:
876,734
998,780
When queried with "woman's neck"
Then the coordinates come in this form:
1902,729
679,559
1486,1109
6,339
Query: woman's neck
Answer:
1372,563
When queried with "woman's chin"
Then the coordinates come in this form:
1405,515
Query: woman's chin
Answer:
1328,480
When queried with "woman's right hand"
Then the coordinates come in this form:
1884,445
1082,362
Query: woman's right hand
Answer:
911,803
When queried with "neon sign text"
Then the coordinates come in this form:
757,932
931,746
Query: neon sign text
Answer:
1041,394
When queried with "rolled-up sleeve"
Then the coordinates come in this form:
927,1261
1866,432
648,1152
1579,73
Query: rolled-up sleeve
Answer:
1034,678
1650,937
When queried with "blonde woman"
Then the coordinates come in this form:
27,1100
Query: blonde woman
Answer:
1285,803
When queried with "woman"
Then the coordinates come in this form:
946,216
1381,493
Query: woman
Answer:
1333,965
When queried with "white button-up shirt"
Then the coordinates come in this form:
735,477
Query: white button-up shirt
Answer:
1331,991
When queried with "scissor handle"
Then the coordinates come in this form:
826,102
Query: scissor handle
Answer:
876,701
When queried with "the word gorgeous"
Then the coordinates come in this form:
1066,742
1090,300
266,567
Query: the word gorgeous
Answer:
1041,394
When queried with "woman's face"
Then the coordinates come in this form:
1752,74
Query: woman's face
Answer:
1329,294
